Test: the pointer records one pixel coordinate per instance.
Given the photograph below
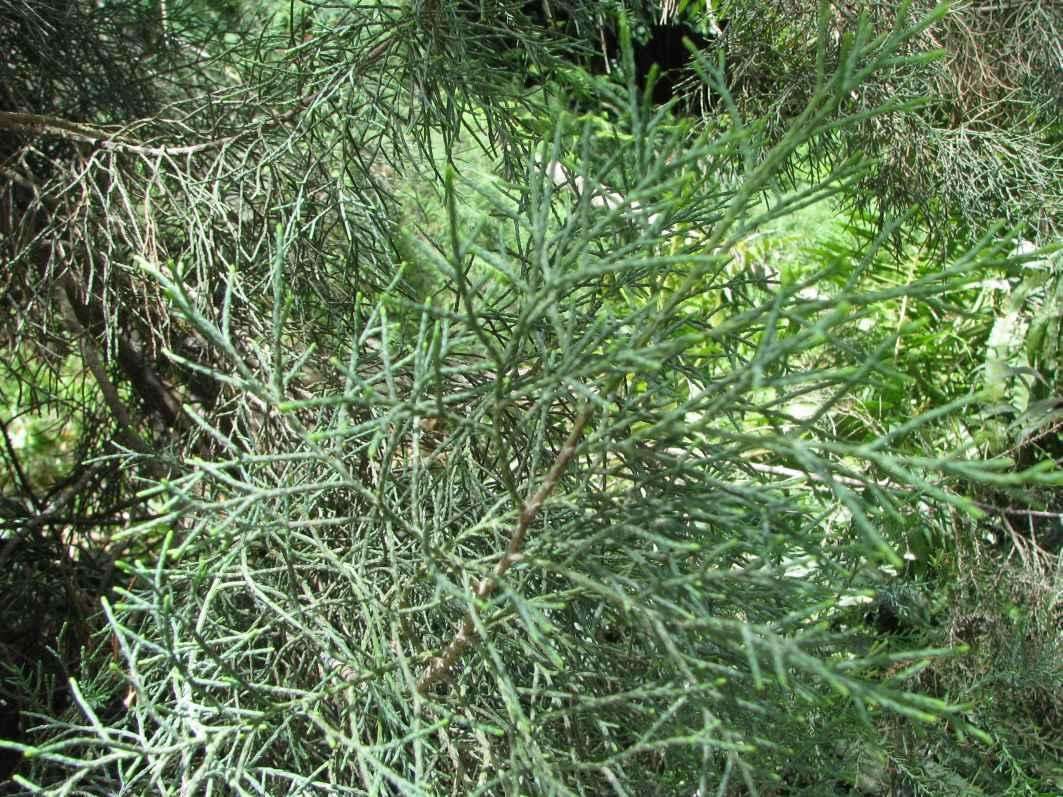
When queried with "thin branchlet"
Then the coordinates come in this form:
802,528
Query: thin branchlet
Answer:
443,665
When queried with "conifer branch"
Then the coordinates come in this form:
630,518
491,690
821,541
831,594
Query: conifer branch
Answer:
441,667
36,124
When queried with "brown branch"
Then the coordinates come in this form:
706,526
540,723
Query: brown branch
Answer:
1010,510
94,363
141,373
440,668
35,124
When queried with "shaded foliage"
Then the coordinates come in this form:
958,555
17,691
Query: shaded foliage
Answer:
983,145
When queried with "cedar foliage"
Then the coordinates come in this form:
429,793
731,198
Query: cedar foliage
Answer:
547,499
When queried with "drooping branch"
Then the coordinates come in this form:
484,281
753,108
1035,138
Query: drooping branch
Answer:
35,124
38,124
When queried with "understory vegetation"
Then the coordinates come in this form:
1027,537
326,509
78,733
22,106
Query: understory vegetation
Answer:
447,398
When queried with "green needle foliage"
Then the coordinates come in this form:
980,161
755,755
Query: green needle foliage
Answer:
575,519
